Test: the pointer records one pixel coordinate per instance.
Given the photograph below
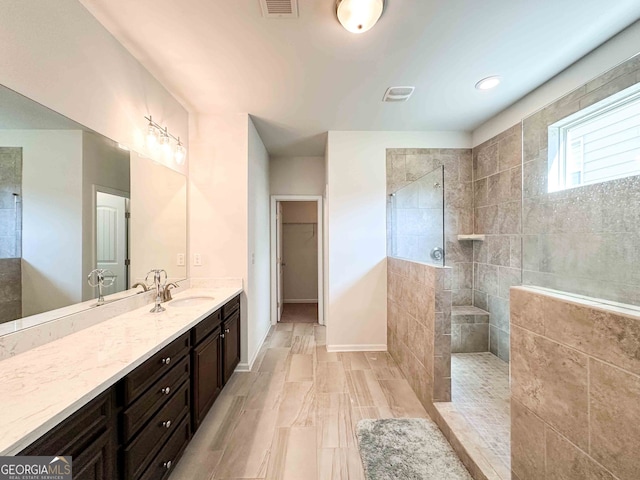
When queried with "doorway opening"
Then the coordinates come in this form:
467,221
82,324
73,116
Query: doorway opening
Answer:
296,259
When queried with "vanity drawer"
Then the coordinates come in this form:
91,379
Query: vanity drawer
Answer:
136,415
74,433
231,307
166,460
205,327
150,371
140,452
89,436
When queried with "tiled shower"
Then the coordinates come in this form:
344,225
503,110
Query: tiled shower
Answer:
10,233
553,203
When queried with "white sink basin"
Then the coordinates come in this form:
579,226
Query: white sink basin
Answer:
190,301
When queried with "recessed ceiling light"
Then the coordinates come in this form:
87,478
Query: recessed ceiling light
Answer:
488,83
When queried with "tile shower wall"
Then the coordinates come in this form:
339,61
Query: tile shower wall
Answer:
404,166
575,384
497,188
10,233
418,327
600,223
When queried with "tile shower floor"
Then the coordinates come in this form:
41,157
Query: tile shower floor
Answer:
480,392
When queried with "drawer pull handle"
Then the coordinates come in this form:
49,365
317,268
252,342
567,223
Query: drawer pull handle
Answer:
226,331
166,390
166,361
222,335
167,465
167,424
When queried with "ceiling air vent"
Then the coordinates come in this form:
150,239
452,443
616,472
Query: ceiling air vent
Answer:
279,8
398,94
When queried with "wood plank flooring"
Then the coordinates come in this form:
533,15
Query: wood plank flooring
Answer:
294,416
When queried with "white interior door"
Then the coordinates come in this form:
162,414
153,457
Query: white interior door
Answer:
280,265
111,238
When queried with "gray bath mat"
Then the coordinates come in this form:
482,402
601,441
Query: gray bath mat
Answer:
407,449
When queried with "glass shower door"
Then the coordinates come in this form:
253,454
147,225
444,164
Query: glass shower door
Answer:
417,216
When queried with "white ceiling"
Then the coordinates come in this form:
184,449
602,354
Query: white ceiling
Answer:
299,78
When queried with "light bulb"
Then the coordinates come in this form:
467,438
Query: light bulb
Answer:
180,153
358,16
152,136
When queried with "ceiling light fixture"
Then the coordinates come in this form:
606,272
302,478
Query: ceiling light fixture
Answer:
159,135
358,16
488,83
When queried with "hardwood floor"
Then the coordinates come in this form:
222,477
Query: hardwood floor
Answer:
294,416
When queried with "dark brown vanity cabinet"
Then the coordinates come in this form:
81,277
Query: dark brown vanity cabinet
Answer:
206,359
231,344
139,428
89,436
155,420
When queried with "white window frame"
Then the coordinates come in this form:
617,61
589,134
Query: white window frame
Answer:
558,134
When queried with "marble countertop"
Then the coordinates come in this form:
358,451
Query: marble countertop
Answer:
43,386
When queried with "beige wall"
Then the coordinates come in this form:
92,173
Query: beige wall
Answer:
158,225
105,165
575,384
229,214
357,244
52,274
296,175
45,57
259,275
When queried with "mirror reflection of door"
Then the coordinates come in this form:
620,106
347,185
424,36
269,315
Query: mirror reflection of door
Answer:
111,239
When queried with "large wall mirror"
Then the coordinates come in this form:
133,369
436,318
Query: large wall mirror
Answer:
71,201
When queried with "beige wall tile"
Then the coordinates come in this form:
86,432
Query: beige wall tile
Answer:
615,419
551,380
527,310
611,337
565,461
527,443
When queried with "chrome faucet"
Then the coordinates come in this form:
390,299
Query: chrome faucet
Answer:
159,286
100,278
166,292
145,287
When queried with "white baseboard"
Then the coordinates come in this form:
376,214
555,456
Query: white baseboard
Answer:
356,348
247,367
303,300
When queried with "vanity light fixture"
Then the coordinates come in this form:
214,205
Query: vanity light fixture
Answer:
159,135
488,83
358,16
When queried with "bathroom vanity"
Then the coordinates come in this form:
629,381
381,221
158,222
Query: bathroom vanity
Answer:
129,409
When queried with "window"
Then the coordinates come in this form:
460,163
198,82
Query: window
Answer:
597,144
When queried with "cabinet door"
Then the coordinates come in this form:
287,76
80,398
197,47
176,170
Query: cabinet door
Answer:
207,378
97,461
231,345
